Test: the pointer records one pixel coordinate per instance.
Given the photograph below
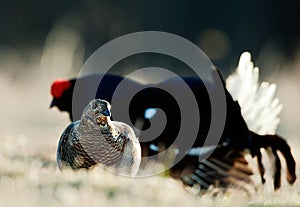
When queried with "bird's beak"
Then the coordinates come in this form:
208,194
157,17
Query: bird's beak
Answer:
52,103
106,112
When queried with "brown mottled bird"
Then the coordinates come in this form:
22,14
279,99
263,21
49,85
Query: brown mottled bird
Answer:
95,139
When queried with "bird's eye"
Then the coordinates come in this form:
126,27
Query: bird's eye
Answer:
96,104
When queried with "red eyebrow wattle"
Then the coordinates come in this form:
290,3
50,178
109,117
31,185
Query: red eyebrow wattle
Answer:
59,86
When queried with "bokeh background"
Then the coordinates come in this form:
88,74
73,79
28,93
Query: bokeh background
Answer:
43,40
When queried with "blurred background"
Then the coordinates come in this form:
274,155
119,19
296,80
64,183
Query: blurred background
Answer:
44,40
40,41
268,29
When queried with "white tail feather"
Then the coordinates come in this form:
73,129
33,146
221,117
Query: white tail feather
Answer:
260,108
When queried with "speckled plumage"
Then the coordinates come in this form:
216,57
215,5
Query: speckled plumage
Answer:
95,139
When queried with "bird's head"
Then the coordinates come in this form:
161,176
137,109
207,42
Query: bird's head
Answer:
97,112
61,91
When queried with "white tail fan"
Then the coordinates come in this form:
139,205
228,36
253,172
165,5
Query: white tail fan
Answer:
260,108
